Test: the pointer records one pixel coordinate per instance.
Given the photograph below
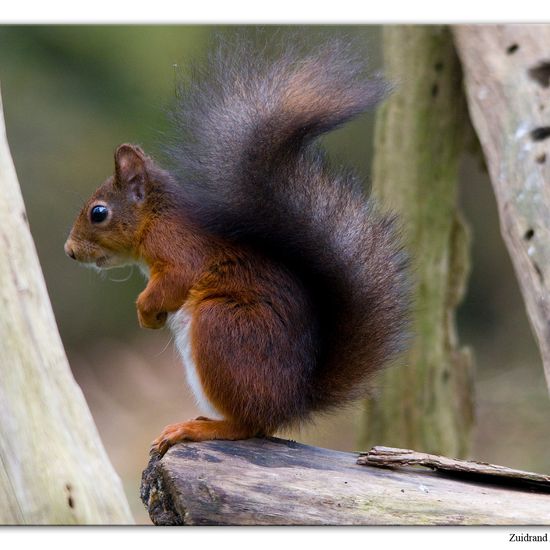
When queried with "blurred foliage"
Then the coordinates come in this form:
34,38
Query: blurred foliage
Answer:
71,94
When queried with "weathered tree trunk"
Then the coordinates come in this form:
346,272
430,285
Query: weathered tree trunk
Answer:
426,402
276,482
53,468
507,76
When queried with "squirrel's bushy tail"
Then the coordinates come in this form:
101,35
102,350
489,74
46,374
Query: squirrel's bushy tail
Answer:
251,172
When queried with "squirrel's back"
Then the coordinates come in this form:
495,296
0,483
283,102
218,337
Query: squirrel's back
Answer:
250,172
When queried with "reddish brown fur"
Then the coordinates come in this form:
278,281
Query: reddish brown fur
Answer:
253,335
294,284
253,329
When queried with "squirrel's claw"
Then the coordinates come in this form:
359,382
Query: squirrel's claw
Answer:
172,434
201,429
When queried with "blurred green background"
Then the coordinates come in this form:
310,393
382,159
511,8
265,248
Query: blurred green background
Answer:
71,94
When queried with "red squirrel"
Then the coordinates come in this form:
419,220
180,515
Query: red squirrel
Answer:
284,286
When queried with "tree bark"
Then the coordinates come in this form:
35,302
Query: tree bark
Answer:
426,401
277,482
507,77
53,468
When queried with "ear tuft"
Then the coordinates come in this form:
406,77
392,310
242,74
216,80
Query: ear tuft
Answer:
129,163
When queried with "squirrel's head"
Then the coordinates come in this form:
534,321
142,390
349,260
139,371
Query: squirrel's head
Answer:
106,231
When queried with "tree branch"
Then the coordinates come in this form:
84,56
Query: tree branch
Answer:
507,71
53,468
426,403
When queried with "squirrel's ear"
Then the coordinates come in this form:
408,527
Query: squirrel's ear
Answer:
130,169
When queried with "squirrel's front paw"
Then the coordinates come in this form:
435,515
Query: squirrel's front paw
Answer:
149,317
153,320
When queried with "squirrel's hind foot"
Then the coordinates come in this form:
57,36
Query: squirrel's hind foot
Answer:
200,429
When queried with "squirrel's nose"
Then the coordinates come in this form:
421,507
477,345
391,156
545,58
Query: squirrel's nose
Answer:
69,250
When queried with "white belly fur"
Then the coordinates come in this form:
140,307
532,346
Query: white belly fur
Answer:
180,324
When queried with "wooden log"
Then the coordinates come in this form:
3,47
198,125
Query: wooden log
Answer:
277,482
53,467
507,77
426,401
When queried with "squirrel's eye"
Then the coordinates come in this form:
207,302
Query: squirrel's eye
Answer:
99,213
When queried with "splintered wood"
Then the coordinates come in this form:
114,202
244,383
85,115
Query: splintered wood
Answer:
390,457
